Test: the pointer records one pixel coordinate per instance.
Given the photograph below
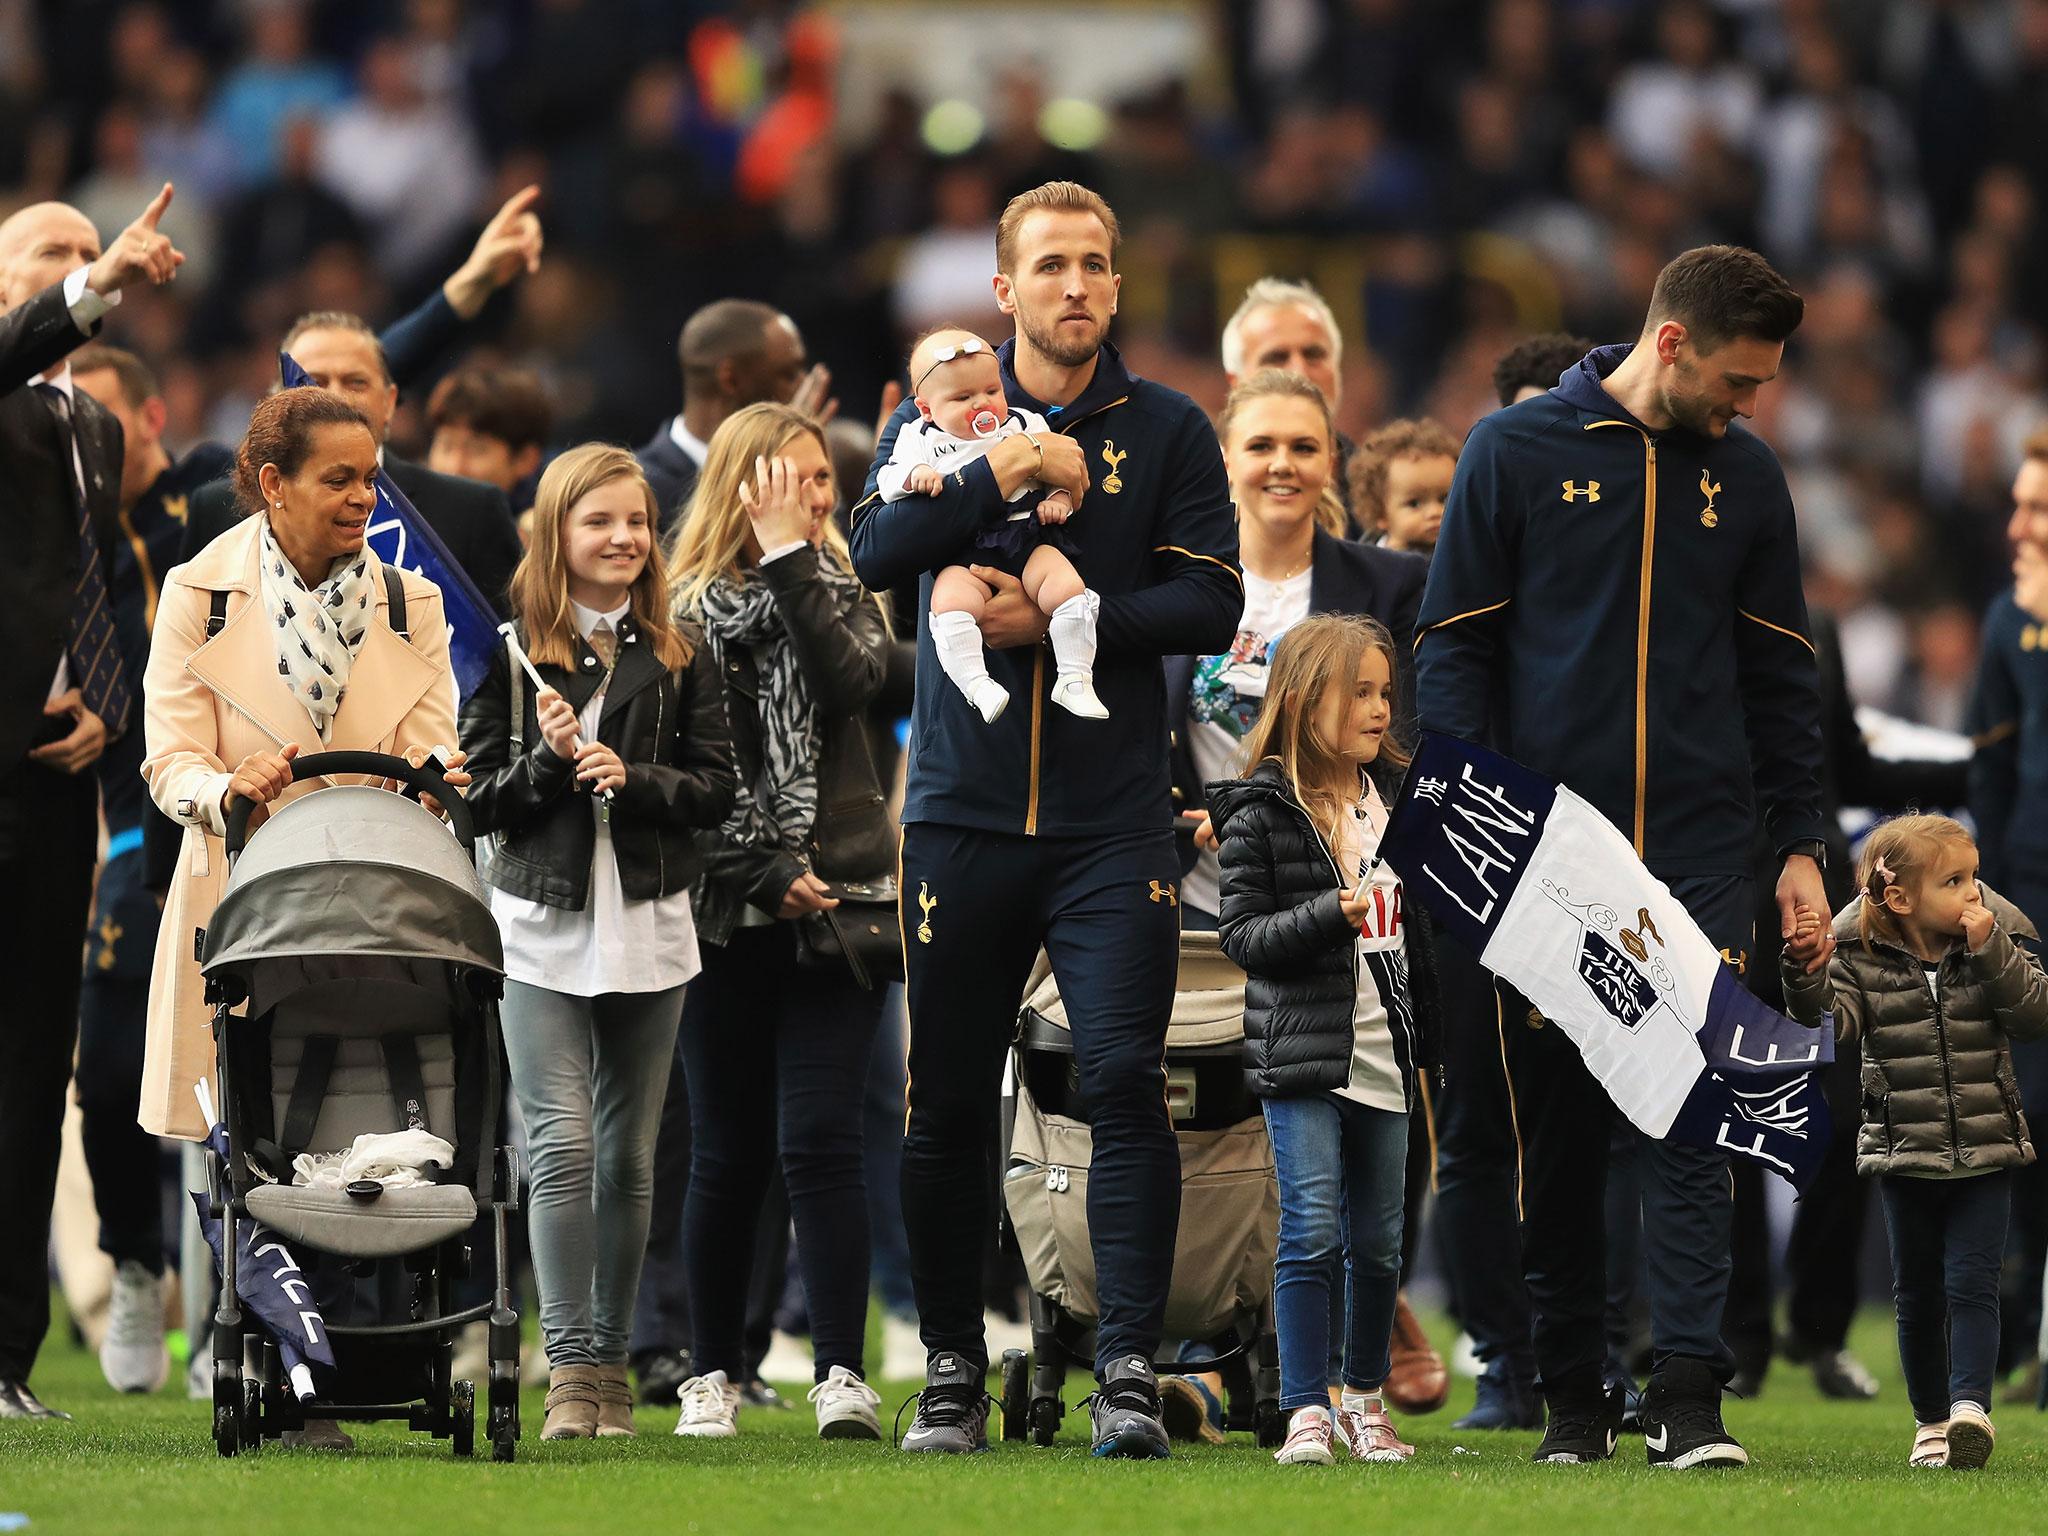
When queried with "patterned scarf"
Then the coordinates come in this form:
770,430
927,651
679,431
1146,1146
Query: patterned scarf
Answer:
783,806
319,630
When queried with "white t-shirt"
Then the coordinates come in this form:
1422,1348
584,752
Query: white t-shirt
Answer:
613,944
921,442
1382,965
1228,693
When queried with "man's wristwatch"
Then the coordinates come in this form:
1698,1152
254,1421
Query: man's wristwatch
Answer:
1813,848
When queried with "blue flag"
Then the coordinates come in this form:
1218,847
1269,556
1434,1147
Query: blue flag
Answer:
401,537
1553,900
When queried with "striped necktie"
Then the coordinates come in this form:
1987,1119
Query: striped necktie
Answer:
95,655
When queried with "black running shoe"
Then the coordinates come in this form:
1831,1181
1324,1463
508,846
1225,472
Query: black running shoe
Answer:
952,1410
1124,1412
1582,1429
1682,1419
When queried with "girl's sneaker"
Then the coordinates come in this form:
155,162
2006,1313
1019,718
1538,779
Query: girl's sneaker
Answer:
1930,1446
1368,1433
846,1407
711,1407
1308,1439
1970,1437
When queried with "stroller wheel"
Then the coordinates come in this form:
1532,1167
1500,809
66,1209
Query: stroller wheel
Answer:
252,1415
1045,1419
1267,1424
503,1426
1016,1400
462,1415
226,1431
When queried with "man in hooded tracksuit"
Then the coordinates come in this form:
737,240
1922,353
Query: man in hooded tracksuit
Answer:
1046,828
1615,601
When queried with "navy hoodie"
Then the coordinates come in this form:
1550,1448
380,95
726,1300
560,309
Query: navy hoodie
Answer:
1155,535
2009,771
1621,609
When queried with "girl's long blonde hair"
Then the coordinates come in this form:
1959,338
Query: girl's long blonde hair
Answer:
540,582
1899,852
1279,384
1319,654
712,540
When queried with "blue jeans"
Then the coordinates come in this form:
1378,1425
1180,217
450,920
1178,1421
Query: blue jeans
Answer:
1947,1237
1343,1171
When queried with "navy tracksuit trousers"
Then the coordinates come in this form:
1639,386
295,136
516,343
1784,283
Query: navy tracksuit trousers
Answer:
977,906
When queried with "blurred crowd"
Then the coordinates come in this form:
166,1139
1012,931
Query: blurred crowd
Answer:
1451,173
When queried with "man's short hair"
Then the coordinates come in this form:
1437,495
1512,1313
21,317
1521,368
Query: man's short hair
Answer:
1277,293
509,404
337,320
1060,197
137,382
1722,292
719,332
2035,447
1538,361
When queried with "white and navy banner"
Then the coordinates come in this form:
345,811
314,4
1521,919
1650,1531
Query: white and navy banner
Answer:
1551,898
403,538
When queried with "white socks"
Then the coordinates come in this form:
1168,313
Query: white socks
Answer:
1073,651
958,644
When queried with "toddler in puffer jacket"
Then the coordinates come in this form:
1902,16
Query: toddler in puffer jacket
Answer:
1934,972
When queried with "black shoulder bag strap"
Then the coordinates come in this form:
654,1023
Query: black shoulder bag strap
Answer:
217,615
394,590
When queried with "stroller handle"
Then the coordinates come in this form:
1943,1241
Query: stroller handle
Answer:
425,779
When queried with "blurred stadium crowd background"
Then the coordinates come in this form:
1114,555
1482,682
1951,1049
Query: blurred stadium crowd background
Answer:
1451,173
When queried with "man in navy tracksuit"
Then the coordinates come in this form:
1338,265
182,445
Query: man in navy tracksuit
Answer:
1049,829
1615,601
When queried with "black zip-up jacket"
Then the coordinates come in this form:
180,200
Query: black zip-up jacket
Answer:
1621,609
842,651
2009,772
1155,535
1280,921
669,730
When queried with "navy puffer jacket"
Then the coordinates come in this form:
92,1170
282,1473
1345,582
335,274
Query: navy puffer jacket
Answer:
1280,921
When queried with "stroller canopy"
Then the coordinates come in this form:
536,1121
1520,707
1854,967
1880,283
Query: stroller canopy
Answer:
352,871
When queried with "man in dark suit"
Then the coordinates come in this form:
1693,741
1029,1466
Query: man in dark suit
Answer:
734,353
341,353
64,693
122,1157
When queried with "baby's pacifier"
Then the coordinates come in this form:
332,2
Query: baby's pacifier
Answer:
985,422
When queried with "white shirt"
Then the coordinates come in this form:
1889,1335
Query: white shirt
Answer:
86,309
1229,690
1382,964
613,944
688,441
921,444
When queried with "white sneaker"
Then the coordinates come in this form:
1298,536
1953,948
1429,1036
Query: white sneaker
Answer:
711,1407
788,1358
1308,1439
133,1356
990,697
1075,693
846,1407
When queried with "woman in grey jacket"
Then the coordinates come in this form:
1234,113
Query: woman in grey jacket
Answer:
1934,973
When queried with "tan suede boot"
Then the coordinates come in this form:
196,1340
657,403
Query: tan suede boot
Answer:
614,1402
572,1403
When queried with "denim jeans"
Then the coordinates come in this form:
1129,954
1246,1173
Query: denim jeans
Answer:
589,1074
1947,1237
1342,1172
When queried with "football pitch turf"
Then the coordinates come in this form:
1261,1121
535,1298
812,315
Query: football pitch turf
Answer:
146,1465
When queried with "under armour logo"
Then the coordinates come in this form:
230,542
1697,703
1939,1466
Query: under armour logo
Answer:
1590,491
1739,958
1164,893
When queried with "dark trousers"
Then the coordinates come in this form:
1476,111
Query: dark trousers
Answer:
976,907
777,1059
1478,1161
121,1156
48,828
2027,1242
1947,1238
1567,1121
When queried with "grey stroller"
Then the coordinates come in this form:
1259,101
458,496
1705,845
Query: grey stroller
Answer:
1222,1288
354,971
